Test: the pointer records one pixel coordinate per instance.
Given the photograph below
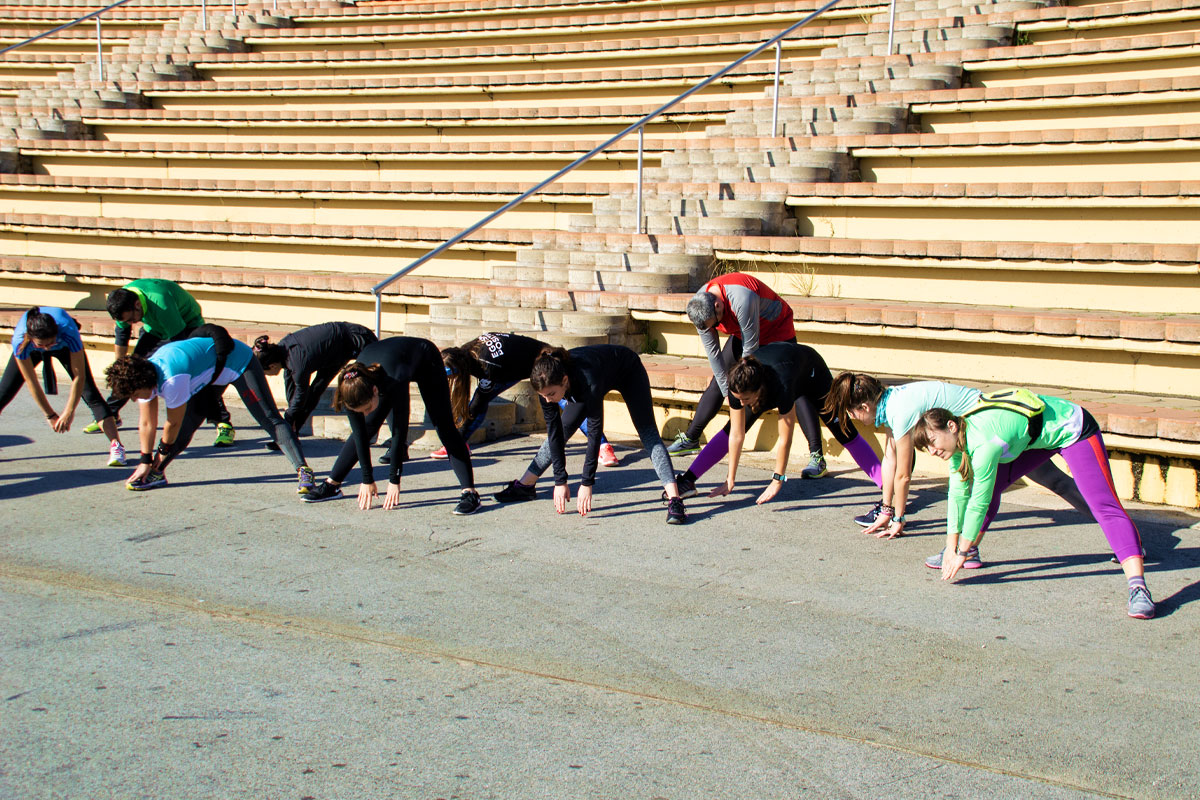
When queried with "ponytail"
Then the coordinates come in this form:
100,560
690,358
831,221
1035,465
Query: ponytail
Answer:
848,391
939,419
549,368
269,353
37,326
460,364
356,385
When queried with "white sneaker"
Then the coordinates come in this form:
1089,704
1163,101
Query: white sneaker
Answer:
116,454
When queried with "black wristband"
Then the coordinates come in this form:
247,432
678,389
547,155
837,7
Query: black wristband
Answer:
163,448
146,458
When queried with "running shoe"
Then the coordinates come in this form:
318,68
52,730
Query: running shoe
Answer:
868,519
676,514
972,562
683,445
686,486
155,480
305,481
116,454
225,435
1140,604
441,455
608,456
468,503
516,492
816,467
94,427
321,492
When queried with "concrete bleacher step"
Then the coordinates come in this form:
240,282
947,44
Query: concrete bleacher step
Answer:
417,162
511,90
365,249
378,54
290,202
1120,278
1160,153
1117,212
387,126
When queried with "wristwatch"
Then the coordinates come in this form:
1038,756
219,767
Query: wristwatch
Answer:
778,477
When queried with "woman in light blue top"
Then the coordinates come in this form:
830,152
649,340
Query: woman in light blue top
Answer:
188,375
897,410
43,333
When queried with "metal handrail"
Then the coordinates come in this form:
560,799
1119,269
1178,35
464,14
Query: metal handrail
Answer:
99,38
639,126
64,26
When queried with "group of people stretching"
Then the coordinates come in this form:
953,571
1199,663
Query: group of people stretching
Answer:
990,440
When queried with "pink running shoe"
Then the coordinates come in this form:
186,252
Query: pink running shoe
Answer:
608,456
441,455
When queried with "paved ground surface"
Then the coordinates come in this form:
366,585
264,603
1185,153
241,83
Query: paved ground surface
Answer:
221,639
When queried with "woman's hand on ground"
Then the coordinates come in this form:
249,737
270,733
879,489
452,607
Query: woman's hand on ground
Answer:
562,496
392,498
366,495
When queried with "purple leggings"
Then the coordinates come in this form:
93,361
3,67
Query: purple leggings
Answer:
1088,460
855,445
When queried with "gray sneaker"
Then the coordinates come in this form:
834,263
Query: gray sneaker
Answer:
683,445
1140,604
816,466
972,562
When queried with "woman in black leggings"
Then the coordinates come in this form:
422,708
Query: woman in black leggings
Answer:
310,359
583,377
498,361
789,378
375,388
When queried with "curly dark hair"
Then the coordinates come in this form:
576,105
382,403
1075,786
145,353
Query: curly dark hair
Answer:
130,373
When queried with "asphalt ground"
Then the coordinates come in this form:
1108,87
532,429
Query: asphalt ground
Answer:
221,639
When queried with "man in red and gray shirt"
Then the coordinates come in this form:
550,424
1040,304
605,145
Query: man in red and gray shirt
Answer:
750,314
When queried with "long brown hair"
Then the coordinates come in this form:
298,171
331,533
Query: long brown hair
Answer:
850,390
356,385
38,325
461,363
549,368
939,419
749,376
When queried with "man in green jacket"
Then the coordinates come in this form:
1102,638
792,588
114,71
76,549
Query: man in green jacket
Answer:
167,313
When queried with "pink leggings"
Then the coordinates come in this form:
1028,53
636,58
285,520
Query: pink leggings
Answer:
1088,460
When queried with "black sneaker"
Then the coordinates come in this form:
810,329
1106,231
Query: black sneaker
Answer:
687,486
467,504
516,492
321,492
868,519
676,515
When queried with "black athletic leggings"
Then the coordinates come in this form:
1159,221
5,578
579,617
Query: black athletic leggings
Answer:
12,381
711,401
316,390
255,392
635,391
147,343
429,374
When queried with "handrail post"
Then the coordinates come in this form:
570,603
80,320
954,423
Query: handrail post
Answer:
892,28
775,103
378,312
204,15
636,126
99,51
641,228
